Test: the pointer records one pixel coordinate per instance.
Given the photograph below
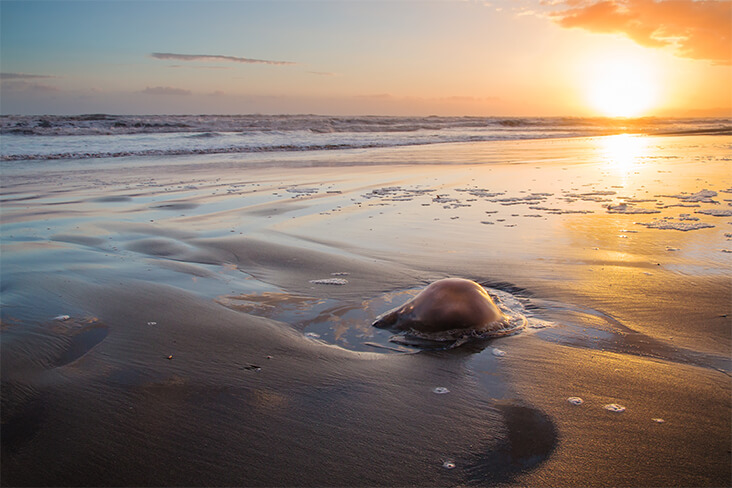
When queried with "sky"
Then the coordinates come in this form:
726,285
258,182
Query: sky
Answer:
449,57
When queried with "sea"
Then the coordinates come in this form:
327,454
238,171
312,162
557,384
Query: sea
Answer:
59,137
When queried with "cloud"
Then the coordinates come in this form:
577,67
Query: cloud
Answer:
165,90
20,85
376,96
697,29
22,76
199,67
322,73
216,57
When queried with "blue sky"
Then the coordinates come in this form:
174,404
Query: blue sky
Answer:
387,57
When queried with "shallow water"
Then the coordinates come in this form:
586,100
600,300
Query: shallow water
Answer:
163,268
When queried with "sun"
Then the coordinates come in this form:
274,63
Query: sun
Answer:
622,87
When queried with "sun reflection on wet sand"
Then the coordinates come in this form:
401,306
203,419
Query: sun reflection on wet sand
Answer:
623,152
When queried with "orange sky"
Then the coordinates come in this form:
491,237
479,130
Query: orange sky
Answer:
523,57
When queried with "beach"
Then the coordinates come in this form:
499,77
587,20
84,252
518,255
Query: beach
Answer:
205,319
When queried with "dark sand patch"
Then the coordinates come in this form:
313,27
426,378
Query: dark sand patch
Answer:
83,240
113,199
216,421
176,206
692,401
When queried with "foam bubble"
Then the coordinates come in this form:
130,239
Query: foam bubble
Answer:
575,400
682,226
440,390
614,407
624,208
498,353
703,196
330,281
448,464
61,317
716,212
538,323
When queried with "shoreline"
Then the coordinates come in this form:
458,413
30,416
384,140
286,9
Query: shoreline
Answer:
190,289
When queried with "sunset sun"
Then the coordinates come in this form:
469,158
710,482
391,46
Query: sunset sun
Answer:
622,88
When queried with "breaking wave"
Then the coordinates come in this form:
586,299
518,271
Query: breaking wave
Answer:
110,136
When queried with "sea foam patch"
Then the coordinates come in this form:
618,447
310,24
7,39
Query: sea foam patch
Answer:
675,225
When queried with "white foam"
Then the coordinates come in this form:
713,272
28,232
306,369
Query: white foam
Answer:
575,400
440,390
480,192
624,208
614,407
716,212
560,211
330,281
535,323
670,225
302,190
703,196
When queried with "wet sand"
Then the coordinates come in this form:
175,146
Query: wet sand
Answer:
205,321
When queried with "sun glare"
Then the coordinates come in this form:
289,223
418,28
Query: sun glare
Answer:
622,88
623,151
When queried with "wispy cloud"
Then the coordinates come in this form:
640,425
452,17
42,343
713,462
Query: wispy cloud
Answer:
165,90
698,29
322,73
217,57
23,76
21,85
200,67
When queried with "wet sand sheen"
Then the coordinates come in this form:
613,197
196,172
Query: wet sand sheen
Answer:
191,289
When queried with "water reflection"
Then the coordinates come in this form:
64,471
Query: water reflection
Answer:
623,151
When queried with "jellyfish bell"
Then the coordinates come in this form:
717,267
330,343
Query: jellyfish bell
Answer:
448,309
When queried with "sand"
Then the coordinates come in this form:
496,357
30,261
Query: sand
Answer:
205,320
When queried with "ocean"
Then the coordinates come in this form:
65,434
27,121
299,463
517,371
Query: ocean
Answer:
111,136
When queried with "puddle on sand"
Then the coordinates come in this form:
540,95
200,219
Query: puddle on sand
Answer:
348,323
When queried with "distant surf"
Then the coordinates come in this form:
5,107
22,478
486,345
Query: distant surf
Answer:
51,137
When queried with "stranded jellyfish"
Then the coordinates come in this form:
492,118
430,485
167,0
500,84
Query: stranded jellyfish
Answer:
451,309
